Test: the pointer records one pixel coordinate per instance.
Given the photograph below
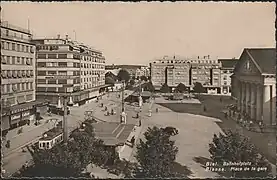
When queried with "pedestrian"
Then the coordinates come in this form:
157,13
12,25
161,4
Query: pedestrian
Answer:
157,110
112,112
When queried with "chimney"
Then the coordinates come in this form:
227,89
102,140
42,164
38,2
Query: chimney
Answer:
208,56
59,36
204,57
198,57
66,37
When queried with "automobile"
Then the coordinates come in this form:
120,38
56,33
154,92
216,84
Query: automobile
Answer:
55,110
171,130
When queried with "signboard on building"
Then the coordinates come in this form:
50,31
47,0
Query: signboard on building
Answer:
14,117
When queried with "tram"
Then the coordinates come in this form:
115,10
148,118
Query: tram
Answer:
51,138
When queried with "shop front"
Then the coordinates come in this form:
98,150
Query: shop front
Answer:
22,114
5,123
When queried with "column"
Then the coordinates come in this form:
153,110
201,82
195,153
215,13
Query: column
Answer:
249,99
242,97
266,105
274,104
238,93
253,102
246,97
259,106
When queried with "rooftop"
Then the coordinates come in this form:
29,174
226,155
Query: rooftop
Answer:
265,58
52,133
6,24
228,63
112,133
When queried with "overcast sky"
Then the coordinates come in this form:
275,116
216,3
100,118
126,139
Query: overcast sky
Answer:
136,33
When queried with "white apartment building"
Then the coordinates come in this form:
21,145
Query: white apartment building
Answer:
17,76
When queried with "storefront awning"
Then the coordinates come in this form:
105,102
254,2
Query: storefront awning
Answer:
24,106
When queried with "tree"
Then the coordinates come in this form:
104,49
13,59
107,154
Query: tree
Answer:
156,156
68,160
132,82
181,88
143,78
198,88
123,75
165,88
235,148
109,80
149,87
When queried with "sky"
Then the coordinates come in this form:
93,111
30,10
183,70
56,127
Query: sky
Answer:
137,33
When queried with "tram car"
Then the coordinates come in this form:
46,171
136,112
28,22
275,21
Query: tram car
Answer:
51,138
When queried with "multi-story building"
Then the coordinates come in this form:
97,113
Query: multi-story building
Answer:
17,76
175,70
67,68
226,70
254,85
207,72
142,71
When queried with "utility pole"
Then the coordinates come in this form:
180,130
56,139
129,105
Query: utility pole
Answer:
122,96
65,128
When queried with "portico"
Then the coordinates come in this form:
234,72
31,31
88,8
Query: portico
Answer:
254,85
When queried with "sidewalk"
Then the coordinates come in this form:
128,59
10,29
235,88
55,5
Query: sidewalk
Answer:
29,134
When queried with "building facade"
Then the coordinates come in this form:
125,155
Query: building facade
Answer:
142,71
175,70
207,72
226,70
17,76
170,70
67,68
254,84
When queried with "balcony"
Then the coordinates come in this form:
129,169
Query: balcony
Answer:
16,38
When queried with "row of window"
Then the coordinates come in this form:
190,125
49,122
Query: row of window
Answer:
15,60
56,64
16,87
85,73
92,79
64,73
12,100
182,61
7,74
49,47
6,32
56,81
93,66
88,86
52,89
65,56
19,47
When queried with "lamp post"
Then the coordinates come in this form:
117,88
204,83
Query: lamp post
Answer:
123,114
65,128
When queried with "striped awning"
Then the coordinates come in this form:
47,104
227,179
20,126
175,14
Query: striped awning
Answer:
4,74
19,73
9,73
28,73
14,74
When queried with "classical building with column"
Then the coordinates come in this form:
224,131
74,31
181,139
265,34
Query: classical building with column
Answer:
254,84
